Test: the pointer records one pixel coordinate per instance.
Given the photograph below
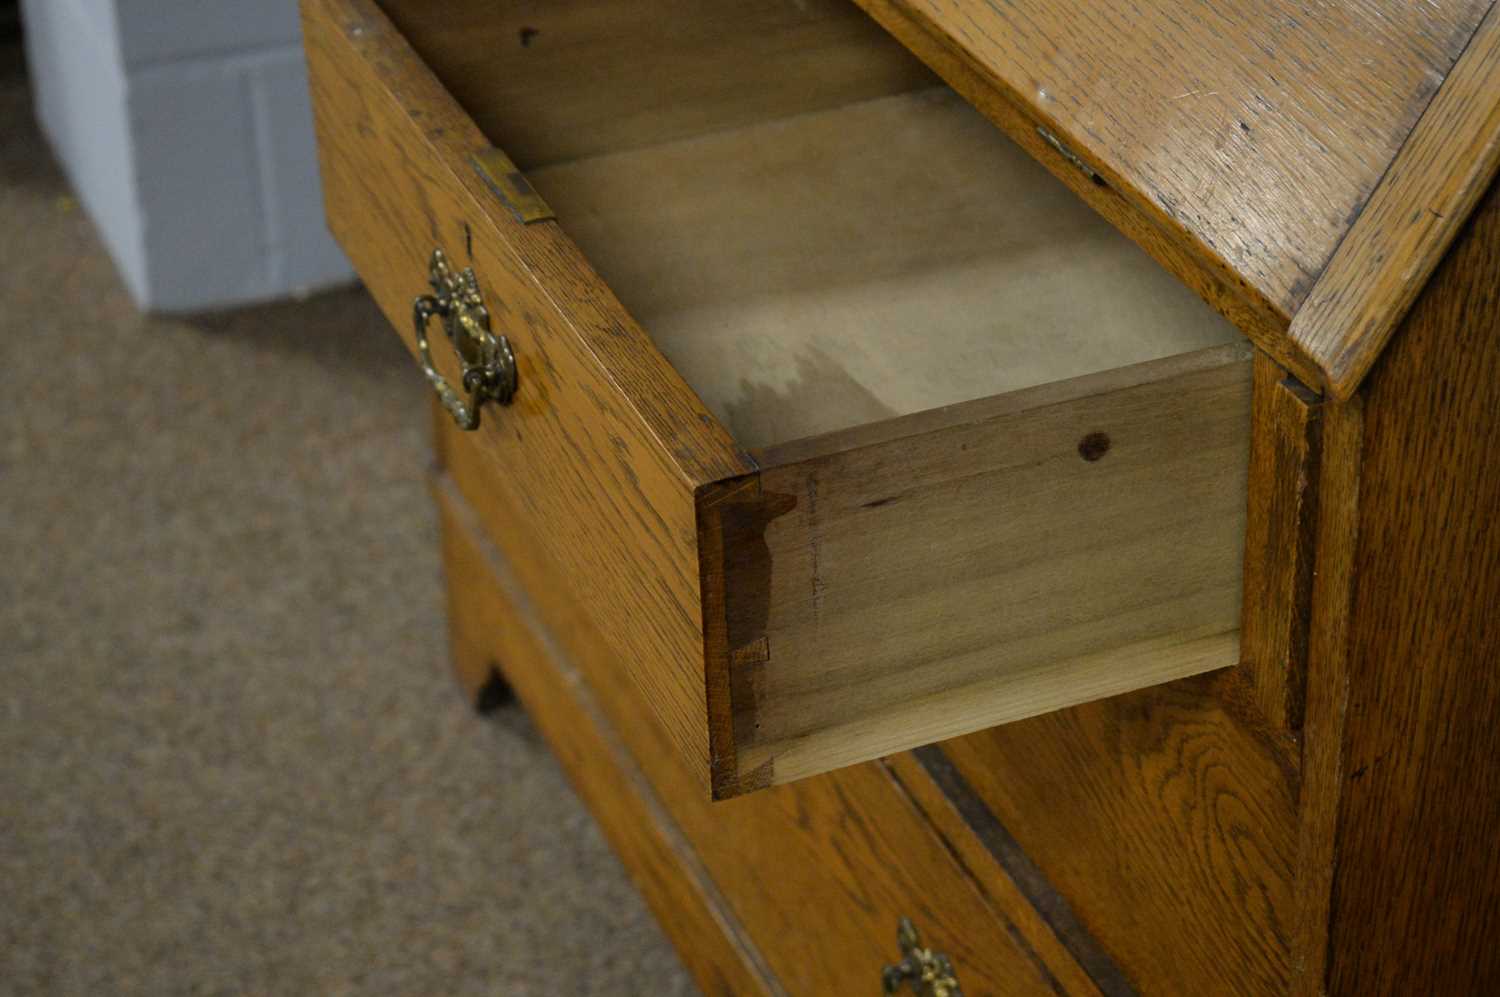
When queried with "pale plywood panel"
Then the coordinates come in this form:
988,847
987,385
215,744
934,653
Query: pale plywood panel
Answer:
880,259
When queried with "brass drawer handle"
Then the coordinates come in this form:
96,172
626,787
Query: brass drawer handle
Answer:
927,973
489,365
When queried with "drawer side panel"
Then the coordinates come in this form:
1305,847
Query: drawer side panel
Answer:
1040,550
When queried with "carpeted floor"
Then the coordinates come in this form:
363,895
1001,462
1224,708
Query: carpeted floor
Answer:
231,759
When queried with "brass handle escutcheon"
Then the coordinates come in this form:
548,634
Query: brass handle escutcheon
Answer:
486,359
927,973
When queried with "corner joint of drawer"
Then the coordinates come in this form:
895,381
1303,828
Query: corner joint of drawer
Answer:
506,181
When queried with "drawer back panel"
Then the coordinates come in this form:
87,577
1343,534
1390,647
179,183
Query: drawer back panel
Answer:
554,80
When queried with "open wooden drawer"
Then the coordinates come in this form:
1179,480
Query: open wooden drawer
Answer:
852,427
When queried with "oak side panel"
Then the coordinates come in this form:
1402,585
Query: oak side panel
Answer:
555,81
1416,887
1285,434
1419,207
488,632
1327,691
604,445
1254,134
1038,551
1166,823
817,873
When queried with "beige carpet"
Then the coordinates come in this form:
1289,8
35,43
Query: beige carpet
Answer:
231,758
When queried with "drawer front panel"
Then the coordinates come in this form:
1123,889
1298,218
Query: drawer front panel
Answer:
604,445
1027,553
815,876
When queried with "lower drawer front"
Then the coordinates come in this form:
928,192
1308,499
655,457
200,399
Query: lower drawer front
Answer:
796,890
485,630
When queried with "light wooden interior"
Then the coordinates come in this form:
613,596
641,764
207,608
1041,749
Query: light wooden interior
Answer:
924,583
814,234
844,266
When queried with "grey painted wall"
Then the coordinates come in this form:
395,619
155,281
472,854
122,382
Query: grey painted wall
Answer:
185,127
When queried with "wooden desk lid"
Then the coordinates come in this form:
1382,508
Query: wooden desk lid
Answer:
1313,160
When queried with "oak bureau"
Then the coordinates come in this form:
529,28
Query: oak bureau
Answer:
1021,472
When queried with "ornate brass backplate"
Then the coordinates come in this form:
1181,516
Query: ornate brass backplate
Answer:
927,973
487,363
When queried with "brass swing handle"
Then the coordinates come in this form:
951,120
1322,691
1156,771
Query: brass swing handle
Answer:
927,973
487,362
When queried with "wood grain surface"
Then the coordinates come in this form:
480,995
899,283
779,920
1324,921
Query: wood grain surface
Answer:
1166,824
565,79
1041,549
1327,691
997,881
838,301
604,445
1414,214
490,632
1279,542
1253,132
819,873
991,855
1416,883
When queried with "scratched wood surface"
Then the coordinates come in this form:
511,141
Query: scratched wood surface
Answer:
554,80
1251,133
1040,549
1279,542
1420,206
604,445
1166,824
1416,861
816,874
